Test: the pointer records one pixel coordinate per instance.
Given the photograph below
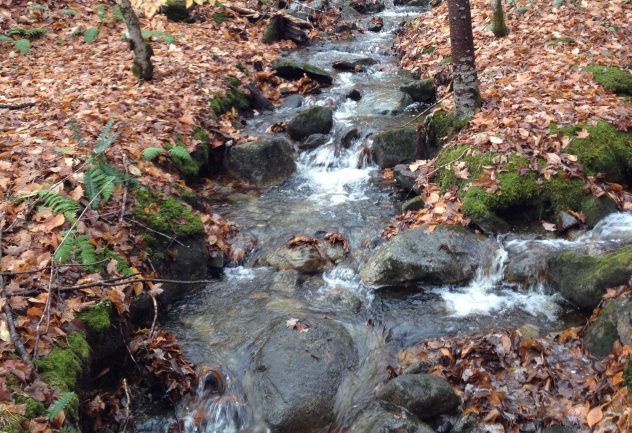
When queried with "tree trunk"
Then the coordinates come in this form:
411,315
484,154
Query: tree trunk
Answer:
142,66
498,21
466,94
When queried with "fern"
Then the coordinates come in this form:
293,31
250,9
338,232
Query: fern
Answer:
67,428
69,12
151,153
66,249
90,35
79,247
60,204
77,134
166,37
23,46
33,33
39,8
101,12
99,185
181,153
117,14
4,38
86,251
106,138
61,404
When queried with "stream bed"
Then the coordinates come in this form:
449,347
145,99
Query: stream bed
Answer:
222,327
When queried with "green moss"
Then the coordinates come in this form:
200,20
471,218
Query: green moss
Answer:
34,408
200,134
97,317
627,374
172,216
613,79
499,28
11,422
234,98
605,150
79,345
60,368
272,33
473,161
563,40
441,126
428,50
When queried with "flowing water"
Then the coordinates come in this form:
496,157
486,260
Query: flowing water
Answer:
335,190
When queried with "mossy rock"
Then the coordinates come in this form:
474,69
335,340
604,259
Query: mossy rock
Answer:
474,161
583,279
605,150
177,11
394,146
627,374
614,323
233,98
613,79
420,91
439,127
97,318
286,68
61,367
169,216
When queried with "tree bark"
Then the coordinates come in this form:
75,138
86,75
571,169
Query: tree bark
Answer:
466,94
498,21
142,67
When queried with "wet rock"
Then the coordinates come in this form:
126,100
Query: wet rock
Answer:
527,261
567,221
375,27
613,323
335,253
412,204
286,68
421,91
560,429
465,424
354,95
424,395
345,27
342,300
285,281
292,101
405,101
313,141
357,65
294,376
368,6
378,420
348,135
582,279
418,367
394,146
315,120
418,3
244,161
448,255
529,331
405,178
303,258
241,245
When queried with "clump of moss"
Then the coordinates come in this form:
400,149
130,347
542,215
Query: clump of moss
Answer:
176,10
63,366
605,150
499,27
97,317
441,126
11,422
170,216
563,40
34,408
474,162
615,80
233,98
627,374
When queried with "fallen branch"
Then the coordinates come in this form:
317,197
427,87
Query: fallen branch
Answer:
17,106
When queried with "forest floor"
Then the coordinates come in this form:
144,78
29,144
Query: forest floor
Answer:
73,73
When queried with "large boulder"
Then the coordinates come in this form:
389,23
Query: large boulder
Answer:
286,68
582,279
294,376
395,146
613,323
421,91
449,255
378,420
314,120
246,161
305,258
423,395
368,6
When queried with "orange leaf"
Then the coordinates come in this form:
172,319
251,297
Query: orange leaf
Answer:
594,416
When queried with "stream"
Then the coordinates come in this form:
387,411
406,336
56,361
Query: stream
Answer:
336,190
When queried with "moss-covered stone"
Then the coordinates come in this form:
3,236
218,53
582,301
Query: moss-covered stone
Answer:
627,374
233,98
605,150
616,80
34,408
474,161
394,146
286,68
169,216
176,10
62,366
98,317
440,127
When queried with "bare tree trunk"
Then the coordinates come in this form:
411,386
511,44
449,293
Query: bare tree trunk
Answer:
142,66
498,21
466,94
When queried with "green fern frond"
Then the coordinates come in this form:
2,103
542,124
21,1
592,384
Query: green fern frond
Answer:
60,204
98,184
106,138
181,153
151,153
69,12
4,39
90,35
67,428
34,33
117,14
61,404
23,46
87,254
100,10
66,249
77,134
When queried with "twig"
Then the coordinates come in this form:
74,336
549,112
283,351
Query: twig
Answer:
153,323
17,106
426,110
171,238
43,268
15,337
122,215
46,310
126,404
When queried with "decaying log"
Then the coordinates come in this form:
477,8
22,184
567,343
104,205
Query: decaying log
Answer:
282,26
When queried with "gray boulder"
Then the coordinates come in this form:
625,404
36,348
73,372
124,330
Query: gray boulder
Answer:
613,323
405,179
582,279
303,258
368,6
286,68
421,91
378,420
356,65
394,146
294,376
348,135
413,204
424,395
449,254
313,141
245,161
315,120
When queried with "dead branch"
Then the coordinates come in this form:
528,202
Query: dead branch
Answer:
17,106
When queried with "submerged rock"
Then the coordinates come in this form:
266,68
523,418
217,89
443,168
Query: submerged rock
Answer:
354,95
315,120
348,135
378,420
395,146
313,141
286,68
245,161
582,279
353,65
368,6
294,376
448,255
424,395
613,323
413,204
303,258
421,91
